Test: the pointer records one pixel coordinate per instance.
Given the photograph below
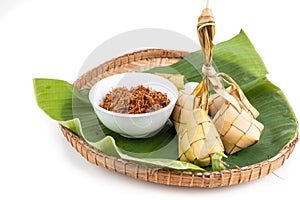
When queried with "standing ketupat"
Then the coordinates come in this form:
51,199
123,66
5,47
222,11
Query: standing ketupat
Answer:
235,117
198,139
234,125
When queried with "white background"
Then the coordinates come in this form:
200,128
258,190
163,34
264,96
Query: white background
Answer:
53,38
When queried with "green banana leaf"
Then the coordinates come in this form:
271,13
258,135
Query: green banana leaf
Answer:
71,108
236,57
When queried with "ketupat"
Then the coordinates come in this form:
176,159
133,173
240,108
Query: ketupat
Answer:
198,139
234,125
235,118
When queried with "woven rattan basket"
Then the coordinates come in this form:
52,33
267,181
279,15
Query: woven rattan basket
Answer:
140,61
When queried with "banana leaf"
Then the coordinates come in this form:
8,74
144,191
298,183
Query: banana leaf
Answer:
71,108
236,57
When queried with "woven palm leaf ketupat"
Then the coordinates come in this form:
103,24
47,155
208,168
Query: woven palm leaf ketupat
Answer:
236,122
234,116
198,139
237,127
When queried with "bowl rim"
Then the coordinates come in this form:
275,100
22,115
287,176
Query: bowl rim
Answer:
126,115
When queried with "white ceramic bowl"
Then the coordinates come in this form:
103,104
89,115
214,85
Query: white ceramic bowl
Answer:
133,125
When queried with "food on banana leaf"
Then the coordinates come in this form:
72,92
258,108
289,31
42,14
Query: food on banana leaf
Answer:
137,100
235,119
237,127
198,139
233,127
176,79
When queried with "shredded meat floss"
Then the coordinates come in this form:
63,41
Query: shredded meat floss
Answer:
137,100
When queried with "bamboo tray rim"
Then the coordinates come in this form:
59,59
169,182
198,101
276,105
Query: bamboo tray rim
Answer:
227,177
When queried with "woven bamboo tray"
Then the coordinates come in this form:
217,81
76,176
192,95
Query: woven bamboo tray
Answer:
140,61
